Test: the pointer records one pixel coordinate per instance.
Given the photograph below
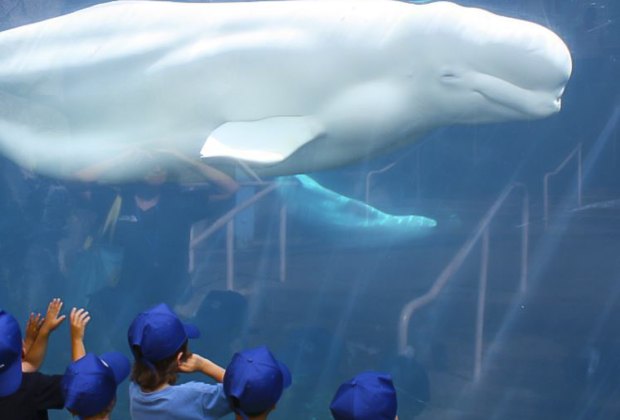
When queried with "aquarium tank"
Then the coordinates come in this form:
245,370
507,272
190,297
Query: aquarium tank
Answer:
426,190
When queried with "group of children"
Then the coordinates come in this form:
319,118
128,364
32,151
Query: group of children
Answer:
250,387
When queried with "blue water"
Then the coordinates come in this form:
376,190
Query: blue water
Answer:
330,306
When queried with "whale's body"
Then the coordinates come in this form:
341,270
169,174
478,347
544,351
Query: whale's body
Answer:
345,219
288,86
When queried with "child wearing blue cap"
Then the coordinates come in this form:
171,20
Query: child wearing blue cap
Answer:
254,382
367,396
24,392
159,343
90,382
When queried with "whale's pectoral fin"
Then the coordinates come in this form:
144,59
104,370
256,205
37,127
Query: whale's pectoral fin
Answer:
270,140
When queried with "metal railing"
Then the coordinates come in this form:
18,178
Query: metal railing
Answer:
576,153
228,221
372,174
481,231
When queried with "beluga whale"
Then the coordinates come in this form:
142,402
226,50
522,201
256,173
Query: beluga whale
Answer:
288,87
341,219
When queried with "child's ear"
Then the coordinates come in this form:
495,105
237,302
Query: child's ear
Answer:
179,358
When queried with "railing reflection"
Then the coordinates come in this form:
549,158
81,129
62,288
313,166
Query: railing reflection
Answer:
577,155
481,231
228,220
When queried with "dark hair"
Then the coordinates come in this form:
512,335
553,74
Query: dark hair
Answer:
150,376
103,414
235,407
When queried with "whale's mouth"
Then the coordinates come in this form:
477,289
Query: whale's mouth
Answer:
507,98
512,97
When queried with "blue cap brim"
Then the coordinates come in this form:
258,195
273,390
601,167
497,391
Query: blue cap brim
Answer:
11,379
191,330
286,374
118,363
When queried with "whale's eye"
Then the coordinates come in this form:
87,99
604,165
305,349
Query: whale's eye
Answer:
449,77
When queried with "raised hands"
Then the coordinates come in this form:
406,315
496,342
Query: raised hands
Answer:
78,319
53,318
35,353
33,325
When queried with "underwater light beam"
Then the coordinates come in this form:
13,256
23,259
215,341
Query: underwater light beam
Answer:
550,243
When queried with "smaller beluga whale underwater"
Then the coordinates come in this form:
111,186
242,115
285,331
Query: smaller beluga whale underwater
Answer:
288,87
344,219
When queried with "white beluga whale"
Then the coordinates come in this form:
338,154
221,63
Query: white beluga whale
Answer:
344,219
286,86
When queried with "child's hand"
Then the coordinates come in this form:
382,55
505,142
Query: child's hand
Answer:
197,363
33,357
52,318
193,363
33,325
78,319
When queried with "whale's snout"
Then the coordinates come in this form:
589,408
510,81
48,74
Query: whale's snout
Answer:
492,68
520,67
537,59
551,60
545,67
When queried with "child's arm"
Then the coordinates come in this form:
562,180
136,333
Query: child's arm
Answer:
33,325
33,359
78,319
197,363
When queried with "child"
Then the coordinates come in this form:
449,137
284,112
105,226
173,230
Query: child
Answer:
90,382
368,396
159,343
254,382
10,354
24,392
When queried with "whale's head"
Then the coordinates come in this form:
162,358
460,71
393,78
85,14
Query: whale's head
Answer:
481,67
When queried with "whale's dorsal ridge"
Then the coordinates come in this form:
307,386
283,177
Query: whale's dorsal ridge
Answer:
269,140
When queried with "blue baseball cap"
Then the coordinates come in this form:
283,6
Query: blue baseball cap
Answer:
254,381
368,396
159,333
10,354
89,384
